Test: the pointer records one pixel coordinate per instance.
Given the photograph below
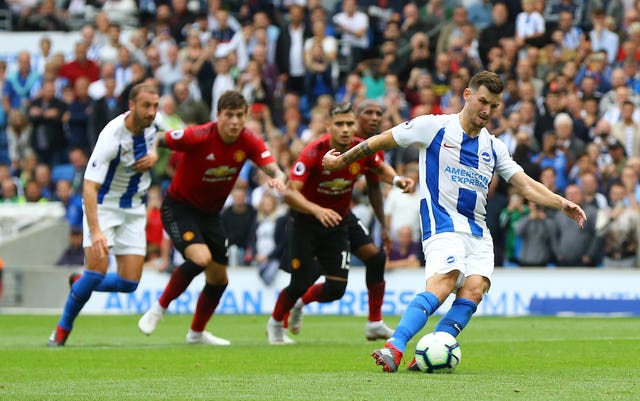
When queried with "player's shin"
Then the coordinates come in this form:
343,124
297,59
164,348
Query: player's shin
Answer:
179,281
375,285
414,319
80,292
207,303
457,317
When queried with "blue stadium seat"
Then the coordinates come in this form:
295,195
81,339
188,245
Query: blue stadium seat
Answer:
62,172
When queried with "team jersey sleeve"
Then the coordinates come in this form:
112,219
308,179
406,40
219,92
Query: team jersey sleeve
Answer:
421,130
302,167
188,138
105,151
505,166
259,153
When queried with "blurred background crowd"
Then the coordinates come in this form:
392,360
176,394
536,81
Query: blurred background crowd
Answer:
569,114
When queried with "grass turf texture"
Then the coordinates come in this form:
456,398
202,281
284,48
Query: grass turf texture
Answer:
106,358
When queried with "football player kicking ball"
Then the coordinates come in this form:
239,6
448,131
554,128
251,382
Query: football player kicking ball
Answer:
458,157
319,229
368,119
115,185
213,155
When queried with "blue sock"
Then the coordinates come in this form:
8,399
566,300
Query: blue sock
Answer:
458,316
80,293
414,319
114,283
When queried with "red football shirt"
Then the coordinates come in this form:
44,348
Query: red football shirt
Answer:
209,168
329,189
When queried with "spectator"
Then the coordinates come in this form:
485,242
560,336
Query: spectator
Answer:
33,193
535,231
109,51
401,209
170,71
573,246
529,24
252,86
80,66
78,159
516,209
47,115
74,254
237,220
267,231
492,36
553,156
405,252
627,130
20,86
71,203
168,120
79,111
10,192
618,226
223,82
602,38
567,141
19,133
452,29
592,196
290,51
191,111
103,110
42,177
45,17
353,26
98,89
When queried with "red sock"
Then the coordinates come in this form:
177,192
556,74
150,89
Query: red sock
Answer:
61,334
178,283
283,306
285,321
207,303
376,296
314,294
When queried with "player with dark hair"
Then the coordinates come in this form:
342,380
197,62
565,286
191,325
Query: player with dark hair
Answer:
213,155
458,158
369,119
319,229
115,185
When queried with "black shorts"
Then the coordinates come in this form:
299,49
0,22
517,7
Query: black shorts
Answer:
358,232
187,225
313,246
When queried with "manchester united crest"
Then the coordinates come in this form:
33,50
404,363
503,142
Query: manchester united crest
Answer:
354,168
239,156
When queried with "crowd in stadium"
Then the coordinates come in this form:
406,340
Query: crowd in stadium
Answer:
569,115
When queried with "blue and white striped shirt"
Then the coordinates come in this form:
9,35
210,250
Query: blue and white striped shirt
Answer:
454,172
111,164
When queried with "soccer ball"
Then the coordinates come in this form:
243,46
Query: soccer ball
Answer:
438,352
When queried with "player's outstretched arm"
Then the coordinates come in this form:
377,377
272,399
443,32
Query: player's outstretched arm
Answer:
278,180
334,160
541,195
388,174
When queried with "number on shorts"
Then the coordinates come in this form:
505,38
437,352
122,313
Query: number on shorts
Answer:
346,257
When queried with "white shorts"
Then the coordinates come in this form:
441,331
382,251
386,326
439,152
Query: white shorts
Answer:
124,230
458,251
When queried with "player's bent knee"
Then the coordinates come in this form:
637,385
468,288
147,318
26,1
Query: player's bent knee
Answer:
128,285
375,268
334,289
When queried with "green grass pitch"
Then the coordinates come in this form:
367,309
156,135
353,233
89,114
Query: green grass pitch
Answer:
524,358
